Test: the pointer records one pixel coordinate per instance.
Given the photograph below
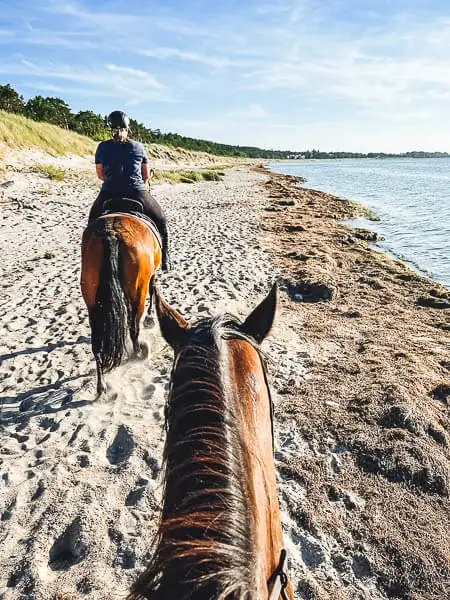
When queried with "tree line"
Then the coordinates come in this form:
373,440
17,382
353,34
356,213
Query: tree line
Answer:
93,125
86,122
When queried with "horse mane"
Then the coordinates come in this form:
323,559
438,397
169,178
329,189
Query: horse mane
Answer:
203,547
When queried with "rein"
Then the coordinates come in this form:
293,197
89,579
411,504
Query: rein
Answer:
278,580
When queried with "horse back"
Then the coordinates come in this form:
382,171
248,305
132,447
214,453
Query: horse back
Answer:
133,232
140,253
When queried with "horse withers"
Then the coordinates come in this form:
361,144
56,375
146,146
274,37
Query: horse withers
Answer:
119,257
220,535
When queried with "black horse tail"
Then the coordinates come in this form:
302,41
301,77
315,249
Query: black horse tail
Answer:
109,317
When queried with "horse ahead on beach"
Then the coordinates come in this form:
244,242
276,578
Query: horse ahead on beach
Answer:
119,257
220,535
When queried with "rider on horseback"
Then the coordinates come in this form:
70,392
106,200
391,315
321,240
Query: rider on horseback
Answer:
122,165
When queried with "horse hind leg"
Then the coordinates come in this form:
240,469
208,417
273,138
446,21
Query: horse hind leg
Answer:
136,271
101,385
149,321
140,349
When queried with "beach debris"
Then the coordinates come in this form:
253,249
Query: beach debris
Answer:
441,392
294,228
367,235
432,302
286,203
298,256
307,291
352,314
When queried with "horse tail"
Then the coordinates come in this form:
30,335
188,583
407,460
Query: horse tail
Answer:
109,316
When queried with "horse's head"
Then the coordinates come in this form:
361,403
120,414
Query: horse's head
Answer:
220,534
178,332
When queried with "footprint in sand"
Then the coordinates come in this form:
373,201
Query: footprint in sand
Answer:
122,446
136,494
69,548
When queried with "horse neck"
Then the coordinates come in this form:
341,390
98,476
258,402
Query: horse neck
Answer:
205,540
253,406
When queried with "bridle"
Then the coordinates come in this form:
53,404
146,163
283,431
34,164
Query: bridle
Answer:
278,580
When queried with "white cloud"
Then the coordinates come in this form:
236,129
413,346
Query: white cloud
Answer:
373,70
304,60
137,75
165,53
252,111
106,19
133,85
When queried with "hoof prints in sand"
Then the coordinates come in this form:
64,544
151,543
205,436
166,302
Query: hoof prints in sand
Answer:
79,476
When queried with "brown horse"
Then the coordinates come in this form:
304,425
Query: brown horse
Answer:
120,255
220,534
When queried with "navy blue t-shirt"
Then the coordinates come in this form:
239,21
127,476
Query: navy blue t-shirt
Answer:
121,165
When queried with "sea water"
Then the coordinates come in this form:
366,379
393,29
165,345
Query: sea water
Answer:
411,196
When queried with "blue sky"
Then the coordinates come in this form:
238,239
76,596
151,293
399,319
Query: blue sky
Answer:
291,74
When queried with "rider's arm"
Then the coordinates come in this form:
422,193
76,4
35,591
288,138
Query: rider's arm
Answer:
99,169
144,167
99,159
145,172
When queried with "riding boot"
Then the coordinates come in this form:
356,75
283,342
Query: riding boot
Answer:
164,231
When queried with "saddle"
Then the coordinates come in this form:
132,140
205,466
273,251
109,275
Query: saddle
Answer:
127,206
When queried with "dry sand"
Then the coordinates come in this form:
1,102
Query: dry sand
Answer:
80,478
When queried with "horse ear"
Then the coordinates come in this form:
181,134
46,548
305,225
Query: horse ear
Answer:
260,321
173,325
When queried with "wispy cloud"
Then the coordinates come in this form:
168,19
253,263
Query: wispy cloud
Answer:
136,75
133,84
252,111
167,53
95,18
292,64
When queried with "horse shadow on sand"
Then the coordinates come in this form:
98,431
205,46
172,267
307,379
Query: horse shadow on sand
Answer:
19,409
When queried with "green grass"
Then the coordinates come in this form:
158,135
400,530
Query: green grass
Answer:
185,176
53,173
221,167
19,132
43,191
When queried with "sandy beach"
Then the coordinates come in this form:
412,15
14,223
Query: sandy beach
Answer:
358,363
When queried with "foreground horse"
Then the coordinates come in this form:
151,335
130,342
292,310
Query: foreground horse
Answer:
220,535
120,255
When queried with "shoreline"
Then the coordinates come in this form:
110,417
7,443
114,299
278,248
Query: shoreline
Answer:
373,407
391,252
359,379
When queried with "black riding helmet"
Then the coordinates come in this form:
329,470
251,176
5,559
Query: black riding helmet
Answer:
118,120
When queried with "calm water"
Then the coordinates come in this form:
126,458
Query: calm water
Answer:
411,197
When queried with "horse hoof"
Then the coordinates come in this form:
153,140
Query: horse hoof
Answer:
101,388
149,322
143,350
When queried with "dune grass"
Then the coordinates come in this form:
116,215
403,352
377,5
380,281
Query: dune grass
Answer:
221,167
17,131
185,176
53,173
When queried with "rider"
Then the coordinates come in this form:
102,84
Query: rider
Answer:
122,165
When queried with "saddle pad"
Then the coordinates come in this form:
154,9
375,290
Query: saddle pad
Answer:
150,224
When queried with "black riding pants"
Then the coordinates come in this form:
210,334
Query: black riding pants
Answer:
151,207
